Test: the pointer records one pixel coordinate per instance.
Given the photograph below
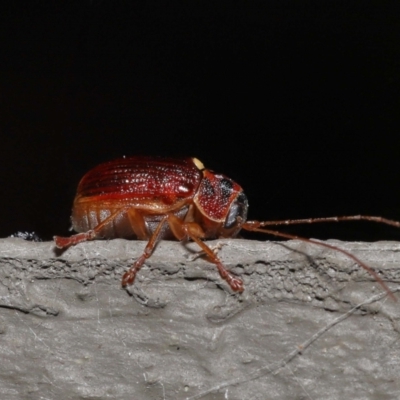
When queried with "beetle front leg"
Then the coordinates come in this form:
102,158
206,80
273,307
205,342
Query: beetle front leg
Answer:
195,232
234,282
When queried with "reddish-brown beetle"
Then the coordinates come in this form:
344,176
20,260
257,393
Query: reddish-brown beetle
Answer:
150,198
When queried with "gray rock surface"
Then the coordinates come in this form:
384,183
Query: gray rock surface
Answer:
311,324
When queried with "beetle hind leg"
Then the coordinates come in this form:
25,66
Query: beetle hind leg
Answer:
64,242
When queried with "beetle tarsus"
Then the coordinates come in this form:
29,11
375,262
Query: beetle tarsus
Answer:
61,242
64,242
235,283
128,277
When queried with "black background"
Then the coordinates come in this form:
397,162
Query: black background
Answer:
298,101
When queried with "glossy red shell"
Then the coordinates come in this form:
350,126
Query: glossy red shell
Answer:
145,182
142,190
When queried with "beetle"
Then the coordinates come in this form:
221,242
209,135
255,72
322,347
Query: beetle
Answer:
155,198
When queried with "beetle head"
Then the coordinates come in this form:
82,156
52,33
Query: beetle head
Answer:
223,202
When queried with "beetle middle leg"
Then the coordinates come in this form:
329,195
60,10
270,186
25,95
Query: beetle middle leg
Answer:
215,249
129,276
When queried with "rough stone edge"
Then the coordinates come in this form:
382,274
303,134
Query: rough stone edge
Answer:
292,270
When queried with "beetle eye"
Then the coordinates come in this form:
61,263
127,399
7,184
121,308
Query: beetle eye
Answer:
238,209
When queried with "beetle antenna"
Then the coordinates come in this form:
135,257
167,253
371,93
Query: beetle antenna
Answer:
250,226
370,218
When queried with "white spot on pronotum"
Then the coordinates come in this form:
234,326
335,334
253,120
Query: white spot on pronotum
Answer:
198,164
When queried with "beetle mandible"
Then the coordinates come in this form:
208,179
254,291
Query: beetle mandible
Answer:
154,198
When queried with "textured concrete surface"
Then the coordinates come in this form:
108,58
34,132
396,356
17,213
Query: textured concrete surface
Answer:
310,324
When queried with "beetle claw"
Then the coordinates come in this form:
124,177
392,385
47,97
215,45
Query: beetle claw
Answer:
128,278
62,242
236,285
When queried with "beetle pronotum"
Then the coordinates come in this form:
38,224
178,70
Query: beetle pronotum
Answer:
151,198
